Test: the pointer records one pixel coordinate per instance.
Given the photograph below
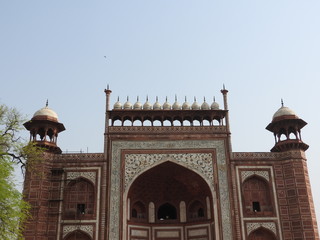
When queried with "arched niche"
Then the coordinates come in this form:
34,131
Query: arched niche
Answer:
256,196
78,235
79,199
166,186
262,234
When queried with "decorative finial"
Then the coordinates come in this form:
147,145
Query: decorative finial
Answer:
47,103
214,99
224,87
127,98
195,99
185,98
147,98
175,98
156,98
108,86
166,98
118,98
281,102
204,99
137,98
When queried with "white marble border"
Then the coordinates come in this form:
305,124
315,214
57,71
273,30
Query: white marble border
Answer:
116,177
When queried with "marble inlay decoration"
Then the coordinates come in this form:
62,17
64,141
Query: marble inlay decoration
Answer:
84,228
246,174
88,175
268,225
198,162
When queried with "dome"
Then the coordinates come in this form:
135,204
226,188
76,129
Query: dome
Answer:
156,105
46,112
195,105
176,105
215,105
205,105
185,105
127,104
166,105
147,105
284,111
117,105
137,105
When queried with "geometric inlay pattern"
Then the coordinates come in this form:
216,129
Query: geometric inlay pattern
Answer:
268,225
85,228
246,174
199,162
88,175
117,178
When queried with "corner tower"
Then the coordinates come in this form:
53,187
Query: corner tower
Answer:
44,128
286,127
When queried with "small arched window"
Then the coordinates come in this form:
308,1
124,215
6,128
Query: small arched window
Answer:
256,196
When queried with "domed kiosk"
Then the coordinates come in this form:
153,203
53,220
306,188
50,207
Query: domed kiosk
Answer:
286,127
44,128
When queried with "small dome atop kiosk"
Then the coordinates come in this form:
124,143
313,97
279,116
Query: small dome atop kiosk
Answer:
156,105
166,105
46,112
117,105
284,111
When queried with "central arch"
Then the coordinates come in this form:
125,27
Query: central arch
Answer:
169,196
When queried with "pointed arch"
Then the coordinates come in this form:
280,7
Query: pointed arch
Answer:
78,235
256,196
79,199
262,234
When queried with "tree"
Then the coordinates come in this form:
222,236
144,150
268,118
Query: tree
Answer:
14,211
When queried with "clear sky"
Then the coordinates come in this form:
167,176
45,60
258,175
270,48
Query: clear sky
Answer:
261,50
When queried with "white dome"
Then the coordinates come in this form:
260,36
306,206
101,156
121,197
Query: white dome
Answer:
215,106
156,105
166,105
117,105
205,105
176,105
147,105
195,105
127,104
46,112
185,105
284,111
137,105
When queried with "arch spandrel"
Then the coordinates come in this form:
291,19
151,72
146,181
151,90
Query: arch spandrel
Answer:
137,164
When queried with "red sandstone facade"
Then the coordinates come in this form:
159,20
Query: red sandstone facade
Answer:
175,181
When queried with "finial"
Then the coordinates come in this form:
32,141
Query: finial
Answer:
166,98
127,98
185,98
137,98
224,87
156,98
204,99
281,102
118,98
175,98
147,98
214,99
195,99
47,103
108,86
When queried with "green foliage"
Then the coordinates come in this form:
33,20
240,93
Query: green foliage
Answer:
13,151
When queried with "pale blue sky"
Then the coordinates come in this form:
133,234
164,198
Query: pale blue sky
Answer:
261,50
